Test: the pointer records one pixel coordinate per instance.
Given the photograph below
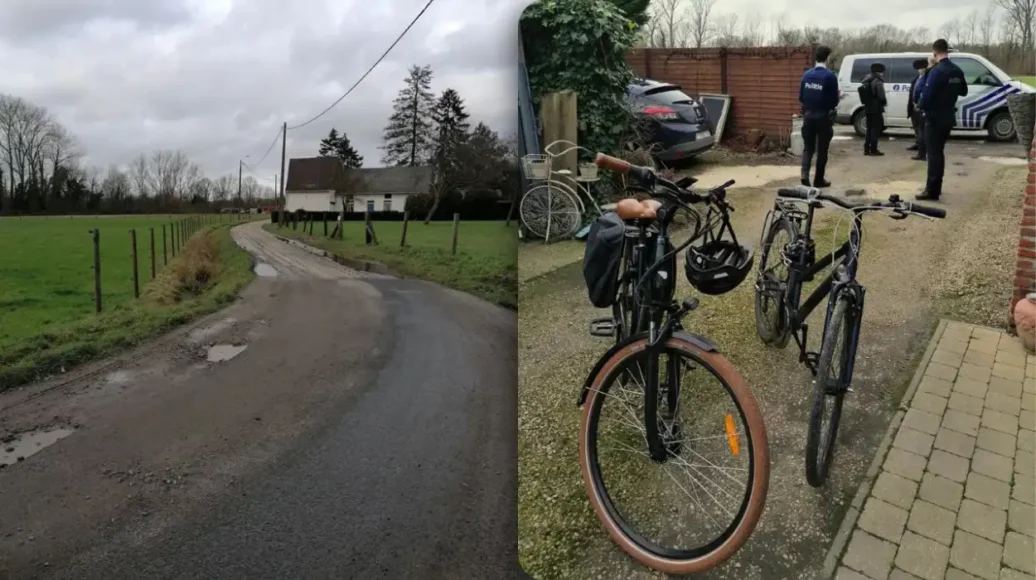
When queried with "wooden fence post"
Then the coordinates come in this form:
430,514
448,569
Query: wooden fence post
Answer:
136,272
152,230
325,224
165,252
172,236
367,227
406,220
456,226
96,234
510,210
558,112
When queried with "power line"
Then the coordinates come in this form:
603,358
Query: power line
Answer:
254,172
371,69
258,178
270,148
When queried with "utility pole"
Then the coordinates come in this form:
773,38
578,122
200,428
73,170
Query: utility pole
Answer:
240,164
284,148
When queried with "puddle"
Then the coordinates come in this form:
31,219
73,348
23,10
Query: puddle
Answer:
1004,160
29,443
841,138
199,334
225,352
265,270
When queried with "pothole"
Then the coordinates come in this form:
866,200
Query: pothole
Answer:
224,352
1003,160
265,270
29,443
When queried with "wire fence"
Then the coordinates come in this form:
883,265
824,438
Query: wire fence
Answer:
161,243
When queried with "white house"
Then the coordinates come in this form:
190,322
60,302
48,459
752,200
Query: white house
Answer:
312,183
323,184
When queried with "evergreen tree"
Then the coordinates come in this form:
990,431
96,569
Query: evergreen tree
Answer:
349,155
451,129
409,137
489,157
487,143
335,145
450,153
328,144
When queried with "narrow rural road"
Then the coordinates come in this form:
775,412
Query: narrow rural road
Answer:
366,431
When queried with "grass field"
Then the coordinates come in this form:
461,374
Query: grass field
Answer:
47,318
1030,80
46,267
485,264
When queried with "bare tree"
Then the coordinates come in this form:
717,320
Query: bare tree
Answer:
170,175
668,24
35,151
223,188
784,34
725,30
969,29
1010,39
140,175
9,109
116,186
700,21
92,177
812,35
201,189
249,189
1021,16
266,192
987,26
752,30
189,179
62,148
24,131
951,31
